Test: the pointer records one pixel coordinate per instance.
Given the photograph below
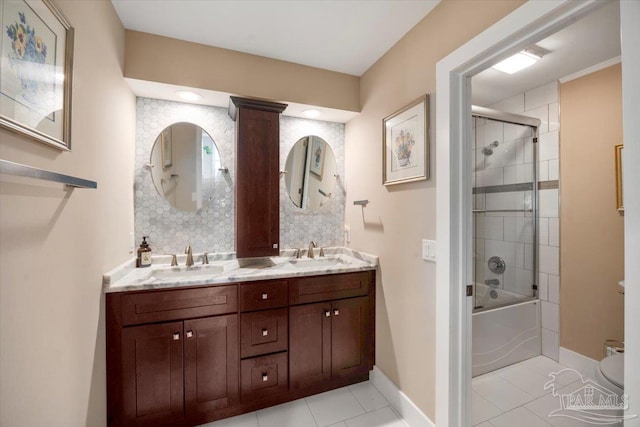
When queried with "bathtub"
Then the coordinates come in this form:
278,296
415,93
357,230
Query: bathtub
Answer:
506,333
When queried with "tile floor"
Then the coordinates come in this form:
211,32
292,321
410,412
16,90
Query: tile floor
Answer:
515,396
359,405
508,397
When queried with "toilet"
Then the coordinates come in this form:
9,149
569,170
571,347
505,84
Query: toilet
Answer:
610,373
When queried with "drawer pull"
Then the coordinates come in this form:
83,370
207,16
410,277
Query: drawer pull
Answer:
336,312
265,377
189,334
176,337
265,332
327,313
265,296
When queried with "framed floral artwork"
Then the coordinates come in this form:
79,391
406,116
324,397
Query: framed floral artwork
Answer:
405,144
167,149
317,156
36,55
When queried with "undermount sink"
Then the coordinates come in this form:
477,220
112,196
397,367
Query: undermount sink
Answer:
316,262
192,272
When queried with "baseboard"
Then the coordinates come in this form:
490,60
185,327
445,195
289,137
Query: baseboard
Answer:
583,364
400,402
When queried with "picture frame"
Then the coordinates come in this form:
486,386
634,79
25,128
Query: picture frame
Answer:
318,150
619,166
405,144
36,60
167,149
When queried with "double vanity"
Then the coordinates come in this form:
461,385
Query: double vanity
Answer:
197,338
189,345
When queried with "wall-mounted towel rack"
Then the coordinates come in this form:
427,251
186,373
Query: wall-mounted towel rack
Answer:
11,168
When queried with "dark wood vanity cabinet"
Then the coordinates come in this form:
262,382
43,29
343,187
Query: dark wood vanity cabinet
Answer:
333,339
184,357
177,368
154,359
172,355
257,176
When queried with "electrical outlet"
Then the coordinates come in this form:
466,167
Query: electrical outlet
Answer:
347,234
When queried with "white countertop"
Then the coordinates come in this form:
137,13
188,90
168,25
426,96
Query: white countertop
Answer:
225,268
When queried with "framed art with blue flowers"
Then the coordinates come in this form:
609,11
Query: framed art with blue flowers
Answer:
405,143
36,56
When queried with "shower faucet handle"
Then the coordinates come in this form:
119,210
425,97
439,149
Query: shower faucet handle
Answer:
496,265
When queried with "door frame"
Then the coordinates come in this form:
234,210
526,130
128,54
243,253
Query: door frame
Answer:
526,25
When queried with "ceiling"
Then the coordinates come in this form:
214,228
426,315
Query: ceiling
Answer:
592,40
347,36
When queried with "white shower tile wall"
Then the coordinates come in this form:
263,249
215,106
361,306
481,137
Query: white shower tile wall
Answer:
542,102
212,228
326,225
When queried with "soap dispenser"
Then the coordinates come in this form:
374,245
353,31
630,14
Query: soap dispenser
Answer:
144,254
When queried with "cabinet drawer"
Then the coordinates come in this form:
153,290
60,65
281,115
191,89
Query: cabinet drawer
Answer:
159,306
263,332
263,376
328,287
263,295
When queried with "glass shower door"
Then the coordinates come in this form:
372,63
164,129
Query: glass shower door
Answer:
504,206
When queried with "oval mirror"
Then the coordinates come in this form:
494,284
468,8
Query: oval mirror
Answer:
311,171
185,162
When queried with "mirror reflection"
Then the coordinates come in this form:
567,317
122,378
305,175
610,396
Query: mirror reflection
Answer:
185,162
311,170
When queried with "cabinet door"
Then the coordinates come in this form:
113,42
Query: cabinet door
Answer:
211,363
350,337
257,184
309,344
152,375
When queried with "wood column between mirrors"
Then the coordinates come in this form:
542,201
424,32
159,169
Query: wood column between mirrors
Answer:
257,194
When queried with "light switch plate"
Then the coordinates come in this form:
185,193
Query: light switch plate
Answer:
429,250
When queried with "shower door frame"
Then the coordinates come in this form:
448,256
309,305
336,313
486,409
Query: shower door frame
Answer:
526,25
534,123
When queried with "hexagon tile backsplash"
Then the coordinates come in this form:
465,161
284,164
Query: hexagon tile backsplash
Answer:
212,228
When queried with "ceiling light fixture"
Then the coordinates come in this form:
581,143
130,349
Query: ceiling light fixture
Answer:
521,60
187,95
312,114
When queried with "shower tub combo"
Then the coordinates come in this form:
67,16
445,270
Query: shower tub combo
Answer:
506,315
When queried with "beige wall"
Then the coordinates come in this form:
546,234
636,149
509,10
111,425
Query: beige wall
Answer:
55,245
153,58
398,217
591,230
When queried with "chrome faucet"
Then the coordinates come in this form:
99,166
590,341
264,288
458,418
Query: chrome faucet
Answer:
187,251
312,245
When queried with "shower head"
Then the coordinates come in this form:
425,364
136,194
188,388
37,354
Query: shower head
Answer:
488,150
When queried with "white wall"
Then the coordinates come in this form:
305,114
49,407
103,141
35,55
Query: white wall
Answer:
55,245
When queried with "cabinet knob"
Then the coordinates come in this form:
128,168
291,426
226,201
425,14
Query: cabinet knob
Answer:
265,377
327,313
336,312
176,337
265,332
189,334
265,296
